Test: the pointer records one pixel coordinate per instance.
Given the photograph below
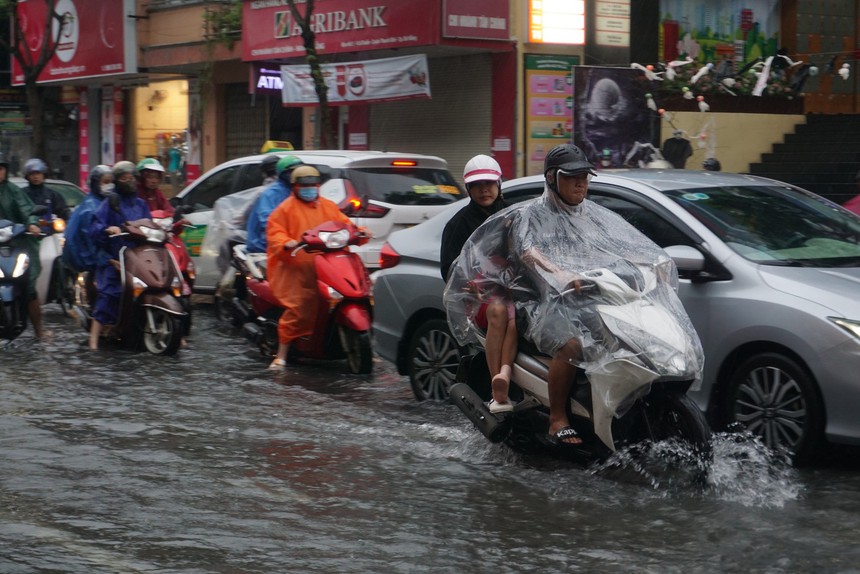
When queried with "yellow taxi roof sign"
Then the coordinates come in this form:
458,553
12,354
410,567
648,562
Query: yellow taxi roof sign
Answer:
276,145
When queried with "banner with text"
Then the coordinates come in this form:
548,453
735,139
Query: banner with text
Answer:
359,82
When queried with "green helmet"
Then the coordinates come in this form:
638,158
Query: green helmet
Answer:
287,162
151,164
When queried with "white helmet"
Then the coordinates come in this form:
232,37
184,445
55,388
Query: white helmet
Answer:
482,168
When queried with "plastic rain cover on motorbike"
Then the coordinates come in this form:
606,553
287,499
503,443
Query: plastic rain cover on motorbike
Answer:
580,272
229,220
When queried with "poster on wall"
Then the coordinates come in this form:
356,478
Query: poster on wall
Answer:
549,106
732,32
612,122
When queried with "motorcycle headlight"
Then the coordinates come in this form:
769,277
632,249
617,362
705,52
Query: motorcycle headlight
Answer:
22,263
853,327
154,235
335,239
59,225
165,223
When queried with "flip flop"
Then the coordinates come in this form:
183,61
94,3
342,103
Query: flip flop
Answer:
277,365
496,407
560,438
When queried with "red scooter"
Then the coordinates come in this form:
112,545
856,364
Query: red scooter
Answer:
174,225
344,314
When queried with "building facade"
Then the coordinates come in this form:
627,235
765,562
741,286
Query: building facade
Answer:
196,82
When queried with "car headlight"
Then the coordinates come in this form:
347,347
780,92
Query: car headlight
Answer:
849,325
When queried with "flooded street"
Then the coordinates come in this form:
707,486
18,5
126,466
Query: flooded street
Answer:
207,462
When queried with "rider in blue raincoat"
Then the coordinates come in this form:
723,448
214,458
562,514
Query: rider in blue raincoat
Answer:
122,206
271,197
79,252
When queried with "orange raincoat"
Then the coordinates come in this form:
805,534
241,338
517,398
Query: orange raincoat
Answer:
294,279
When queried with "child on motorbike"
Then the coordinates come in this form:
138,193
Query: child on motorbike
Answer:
495,316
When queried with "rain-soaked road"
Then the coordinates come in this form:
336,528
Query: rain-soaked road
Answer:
113,462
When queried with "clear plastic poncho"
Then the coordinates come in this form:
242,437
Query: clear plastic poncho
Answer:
229,223
579,272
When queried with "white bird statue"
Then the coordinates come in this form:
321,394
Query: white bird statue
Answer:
670,67
648,70
703,71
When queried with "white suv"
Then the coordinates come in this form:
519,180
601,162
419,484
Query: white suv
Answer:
388,191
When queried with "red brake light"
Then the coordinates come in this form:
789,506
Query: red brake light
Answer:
373,210
388,257
404,163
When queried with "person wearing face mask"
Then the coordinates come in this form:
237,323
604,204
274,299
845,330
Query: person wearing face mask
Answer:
122,205
79,252
267,201
150,174
293,277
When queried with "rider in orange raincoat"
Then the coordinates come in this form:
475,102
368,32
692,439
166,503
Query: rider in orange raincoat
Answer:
293,278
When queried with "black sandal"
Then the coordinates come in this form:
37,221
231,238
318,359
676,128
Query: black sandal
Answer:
561,437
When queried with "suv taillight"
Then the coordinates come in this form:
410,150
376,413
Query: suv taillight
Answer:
388,257
361,208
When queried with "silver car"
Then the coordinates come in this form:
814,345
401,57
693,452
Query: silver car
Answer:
770,276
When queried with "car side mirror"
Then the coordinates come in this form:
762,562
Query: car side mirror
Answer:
689,260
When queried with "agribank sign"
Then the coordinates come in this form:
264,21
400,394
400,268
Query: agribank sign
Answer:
269,30
95,39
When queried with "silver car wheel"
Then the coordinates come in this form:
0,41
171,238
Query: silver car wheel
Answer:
775,399
433,360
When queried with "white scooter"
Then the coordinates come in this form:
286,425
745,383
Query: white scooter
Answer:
55,283
636,393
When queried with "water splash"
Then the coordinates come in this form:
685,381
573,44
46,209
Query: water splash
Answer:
746,471
740,469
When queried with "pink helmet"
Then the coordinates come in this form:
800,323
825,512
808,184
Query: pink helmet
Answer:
482,168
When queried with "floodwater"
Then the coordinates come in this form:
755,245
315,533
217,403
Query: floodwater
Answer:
113,462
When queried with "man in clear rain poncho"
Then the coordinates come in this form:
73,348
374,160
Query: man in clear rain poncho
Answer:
546,254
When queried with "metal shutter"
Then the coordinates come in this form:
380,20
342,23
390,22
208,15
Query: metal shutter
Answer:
246,125
455,124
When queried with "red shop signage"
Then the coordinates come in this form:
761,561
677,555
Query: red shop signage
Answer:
269,32
97,39
480,19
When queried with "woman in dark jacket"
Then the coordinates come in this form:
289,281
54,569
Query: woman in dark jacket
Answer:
483,179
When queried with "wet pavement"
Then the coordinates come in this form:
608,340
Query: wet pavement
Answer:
207,462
